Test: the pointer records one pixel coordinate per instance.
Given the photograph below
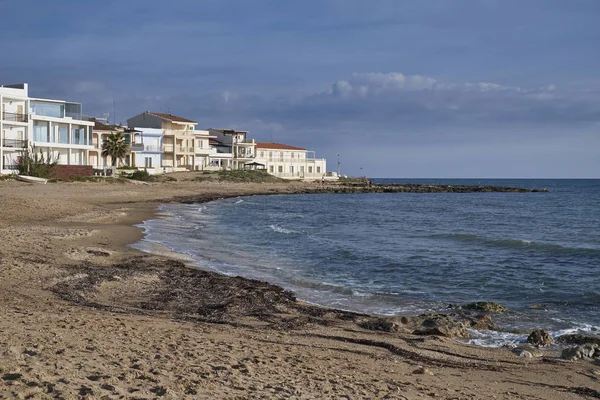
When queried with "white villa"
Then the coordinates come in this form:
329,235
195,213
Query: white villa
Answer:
234,149
289,162
55,127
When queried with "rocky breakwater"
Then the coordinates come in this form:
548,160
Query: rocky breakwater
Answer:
342,187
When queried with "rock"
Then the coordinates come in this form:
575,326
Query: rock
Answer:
576,338
441,325
585,351
525,354
482,322
423,371
379,324
539,338
539,306
488,306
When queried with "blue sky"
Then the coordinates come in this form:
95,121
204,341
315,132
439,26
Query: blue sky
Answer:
419,88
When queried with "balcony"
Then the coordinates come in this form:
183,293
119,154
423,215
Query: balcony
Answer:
136,147
167,148
155,149
14,117
13,143
181,149
205,150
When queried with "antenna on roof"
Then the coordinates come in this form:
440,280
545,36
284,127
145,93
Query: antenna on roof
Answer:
114,112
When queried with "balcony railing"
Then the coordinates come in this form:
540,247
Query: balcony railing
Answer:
153,148
17,144
136,147
14,117
181,149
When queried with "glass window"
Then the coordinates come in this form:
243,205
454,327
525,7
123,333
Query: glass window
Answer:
280,168
63,134
318,170
41,133
310,170
270,168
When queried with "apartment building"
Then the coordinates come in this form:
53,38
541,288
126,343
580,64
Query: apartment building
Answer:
100,133
289,162
239,149
57,128
178,138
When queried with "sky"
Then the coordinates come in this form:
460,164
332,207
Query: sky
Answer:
391,88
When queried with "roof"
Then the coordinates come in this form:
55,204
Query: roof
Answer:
228,131
100,126
276,146
171,117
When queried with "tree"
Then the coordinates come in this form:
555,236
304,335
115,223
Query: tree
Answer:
116,147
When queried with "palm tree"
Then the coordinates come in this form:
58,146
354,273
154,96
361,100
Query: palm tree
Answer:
116,147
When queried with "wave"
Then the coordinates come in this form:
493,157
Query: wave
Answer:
279,229
514,243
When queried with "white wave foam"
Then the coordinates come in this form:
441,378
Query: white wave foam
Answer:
239,201
494,338
281,230
360,294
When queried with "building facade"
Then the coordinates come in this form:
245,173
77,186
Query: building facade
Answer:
100,133
289,162
56,128
178,140
239,149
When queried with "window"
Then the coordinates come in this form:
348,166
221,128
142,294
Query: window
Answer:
270,155
262,154
78,136
41,133
292,155
148,162
291,169
318,170
302,169
270,168
310,170
280,169
63,134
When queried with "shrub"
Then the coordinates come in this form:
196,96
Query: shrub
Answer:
140,175
33,163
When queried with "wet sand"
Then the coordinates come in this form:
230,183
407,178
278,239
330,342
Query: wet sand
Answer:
83,316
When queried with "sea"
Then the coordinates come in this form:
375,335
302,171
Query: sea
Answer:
408,253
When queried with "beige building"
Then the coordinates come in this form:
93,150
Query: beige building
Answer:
178,142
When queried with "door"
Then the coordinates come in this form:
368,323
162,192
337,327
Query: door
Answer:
20,116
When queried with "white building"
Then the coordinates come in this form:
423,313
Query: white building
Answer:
56,128
289,162
147,149
234,149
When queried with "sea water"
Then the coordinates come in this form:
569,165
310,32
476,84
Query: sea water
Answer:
408,253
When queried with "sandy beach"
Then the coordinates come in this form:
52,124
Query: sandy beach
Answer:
82,316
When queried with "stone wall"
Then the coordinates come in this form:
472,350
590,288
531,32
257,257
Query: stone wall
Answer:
66,171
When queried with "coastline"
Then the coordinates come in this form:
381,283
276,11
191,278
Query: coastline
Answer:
113,338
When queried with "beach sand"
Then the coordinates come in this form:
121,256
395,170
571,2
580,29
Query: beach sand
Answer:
83,316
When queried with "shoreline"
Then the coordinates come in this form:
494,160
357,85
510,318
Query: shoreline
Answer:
62,236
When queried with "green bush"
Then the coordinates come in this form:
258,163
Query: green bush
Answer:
257,176
140,175
34,163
